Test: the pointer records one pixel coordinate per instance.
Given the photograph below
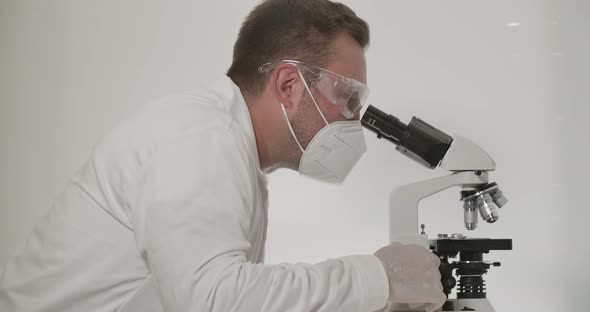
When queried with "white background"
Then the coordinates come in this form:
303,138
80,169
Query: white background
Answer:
513,75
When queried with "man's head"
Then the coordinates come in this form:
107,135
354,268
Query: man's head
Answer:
318,33
303,30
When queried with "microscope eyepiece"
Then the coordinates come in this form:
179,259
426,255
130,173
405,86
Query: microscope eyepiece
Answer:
384,125
418,140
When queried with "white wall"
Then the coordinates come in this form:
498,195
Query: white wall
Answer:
70,70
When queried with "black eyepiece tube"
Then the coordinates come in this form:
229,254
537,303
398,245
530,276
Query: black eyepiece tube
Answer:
418,140
384,125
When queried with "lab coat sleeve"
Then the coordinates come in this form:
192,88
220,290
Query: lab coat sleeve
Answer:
192,215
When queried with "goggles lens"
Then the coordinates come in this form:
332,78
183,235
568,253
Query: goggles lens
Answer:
347,94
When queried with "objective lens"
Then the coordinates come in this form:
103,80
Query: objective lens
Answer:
470,214
499,198
487,209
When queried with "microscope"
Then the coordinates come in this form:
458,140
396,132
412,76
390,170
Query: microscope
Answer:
469,166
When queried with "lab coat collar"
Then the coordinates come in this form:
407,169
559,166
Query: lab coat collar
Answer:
241,114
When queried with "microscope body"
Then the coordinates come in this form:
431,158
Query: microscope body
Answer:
404,202
469,166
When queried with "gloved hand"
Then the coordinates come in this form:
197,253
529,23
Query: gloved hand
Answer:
413,275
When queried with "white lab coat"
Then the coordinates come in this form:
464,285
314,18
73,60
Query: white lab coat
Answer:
170,214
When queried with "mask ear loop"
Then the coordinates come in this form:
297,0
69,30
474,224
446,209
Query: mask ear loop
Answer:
312,98
291,128
316,106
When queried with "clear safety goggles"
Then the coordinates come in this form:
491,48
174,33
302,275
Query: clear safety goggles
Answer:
347,94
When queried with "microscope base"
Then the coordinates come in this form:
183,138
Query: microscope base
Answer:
452,305
479,305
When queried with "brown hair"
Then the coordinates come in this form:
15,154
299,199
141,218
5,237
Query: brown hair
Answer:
290,29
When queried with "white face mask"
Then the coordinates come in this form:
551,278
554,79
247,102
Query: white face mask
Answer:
334,150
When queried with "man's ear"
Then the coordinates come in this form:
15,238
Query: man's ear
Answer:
286,86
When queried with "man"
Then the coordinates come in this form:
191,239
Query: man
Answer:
169,213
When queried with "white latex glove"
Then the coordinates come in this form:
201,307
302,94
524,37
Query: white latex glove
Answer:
413,276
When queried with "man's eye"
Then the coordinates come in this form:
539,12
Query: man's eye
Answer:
353,102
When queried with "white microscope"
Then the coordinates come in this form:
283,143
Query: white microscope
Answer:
469,165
